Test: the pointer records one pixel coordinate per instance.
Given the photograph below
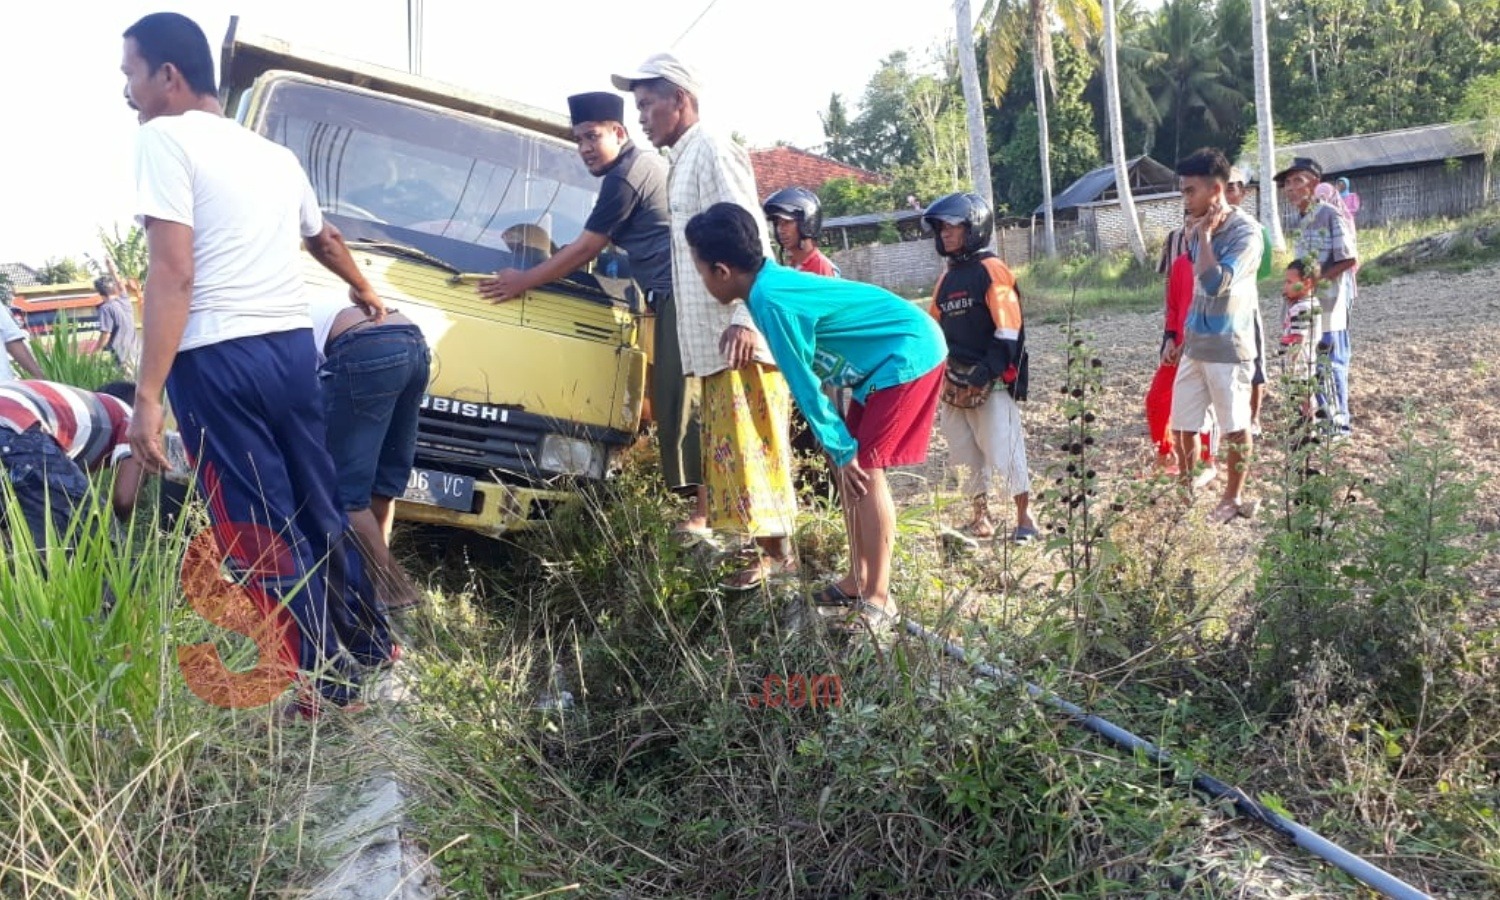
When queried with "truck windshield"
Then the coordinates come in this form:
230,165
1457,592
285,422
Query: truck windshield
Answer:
477,194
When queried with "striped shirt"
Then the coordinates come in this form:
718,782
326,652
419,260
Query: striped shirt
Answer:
708,169
90,428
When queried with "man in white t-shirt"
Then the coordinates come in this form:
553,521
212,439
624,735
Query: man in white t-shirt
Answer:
14,337
226,333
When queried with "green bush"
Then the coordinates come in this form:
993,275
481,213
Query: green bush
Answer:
1372,574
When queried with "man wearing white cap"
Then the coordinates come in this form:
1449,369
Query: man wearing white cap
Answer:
746,405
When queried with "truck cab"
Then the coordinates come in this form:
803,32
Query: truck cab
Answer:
433,188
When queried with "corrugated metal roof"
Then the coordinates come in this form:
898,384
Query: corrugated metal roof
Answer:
1387,149
1145,173
876,218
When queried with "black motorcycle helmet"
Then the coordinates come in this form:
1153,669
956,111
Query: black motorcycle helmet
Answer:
800,204
967,209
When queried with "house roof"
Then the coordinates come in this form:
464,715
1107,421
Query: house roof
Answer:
784,167
20,274
875,218
1146,176
1387,149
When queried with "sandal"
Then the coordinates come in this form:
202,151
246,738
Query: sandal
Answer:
1224,513
762,570
833,598
868,618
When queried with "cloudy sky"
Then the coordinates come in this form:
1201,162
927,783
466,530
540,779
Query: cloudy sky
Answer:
769,66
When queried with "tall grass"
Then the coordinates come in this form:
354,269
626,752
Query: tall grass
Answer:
115,782
62,355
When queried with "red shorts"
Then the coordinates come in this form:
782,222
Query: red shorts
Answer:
894,425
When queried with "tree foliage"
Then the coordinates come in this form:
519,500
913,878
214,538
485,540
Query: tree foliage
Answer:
1075,139
1481,103
1339,67
1344,67
62,271
849,197
910,126
128,252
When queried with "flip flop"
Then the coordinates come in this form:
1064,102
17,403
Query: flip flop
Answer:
1025,534
833,596
1224,513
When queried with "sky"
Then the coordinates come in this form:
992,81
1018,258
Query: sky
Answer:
769,67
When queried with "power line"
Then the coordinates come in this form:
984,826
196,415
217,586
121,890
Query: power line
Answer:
694,24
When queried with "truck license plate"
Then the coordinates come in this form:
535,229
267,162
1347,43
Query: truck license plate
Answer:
440,489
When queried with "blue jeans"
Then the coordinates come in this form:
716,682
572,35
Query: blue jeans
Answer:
48,485
1333,373
373,382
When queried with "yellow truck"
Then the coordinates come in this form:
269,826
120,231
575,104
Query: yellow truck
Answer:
433,187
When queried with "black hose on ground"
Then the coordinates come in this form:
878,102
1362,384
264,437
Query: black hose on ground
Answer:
1357,867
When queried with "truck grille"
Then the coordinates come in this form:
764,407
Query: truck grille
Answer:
484,448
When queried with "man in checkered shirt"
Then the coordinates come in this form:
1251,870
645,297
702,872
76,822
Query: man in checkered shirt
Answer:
746,405
1325,236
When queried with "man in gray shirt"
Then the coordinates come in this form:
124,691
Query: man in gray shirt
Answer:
117,323
1218,351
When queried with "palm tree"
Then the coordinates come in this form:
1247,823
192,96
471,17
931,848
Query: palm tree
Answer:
1117,135
1270,215
1189,71
1016,26
979,153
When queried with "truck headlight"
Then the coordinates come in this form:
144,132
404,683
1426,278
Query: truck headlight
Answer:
571,456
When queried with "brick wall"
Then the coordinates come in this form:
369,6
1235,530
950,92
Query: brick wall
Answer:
912,267
909,268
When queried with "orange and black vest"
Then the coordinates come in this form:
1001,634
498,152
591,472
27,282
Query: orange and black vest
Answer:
979,308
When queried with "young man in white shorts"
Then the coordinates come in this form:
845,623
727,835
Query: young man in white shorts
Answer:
1218,352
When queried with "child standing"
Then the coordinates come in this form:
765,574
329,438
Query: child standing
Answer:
1301,329
980,312
827,332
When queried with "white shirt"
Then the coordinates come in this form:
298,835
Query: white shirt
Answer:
707,169
249,204
324,307
9,331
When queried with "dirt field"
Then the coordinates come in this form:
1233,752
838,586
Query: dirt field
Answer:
1424,359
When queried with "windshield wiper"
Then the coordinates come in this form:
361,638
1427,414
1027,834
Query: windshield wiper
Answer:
404,252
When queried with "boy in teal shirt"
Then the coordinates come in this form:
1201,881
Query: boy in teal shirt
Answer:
839,334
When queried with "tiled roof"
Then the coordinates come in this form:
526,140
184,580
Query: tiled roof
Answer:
20,274
784,167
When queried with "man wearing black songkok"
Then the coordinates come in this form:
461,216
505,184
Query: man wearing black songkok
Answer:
632,213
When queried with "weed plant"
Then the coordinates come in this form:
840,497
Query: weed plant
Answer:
62,355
